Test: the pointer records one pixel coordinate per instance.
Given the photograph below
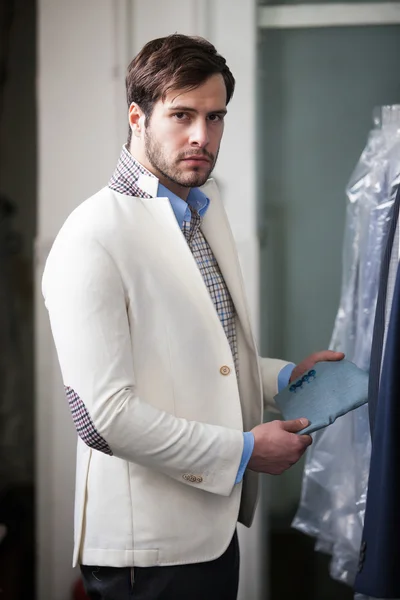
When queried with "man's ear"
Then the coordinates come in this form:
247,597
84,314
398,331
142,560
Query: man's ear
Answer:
136,119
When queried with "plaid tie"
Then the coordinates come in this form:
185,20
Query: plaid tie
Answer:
213,279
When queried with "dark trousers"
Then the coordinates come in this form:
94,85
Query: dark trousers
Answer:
214,580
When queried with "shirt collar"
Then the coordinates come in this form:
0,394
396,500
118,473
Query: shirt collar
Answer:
133,179
196,200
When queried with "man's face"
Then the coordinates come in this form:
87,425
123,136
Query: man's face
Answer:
183,136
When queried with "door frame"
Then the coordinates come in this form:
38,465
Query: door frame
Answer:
328,15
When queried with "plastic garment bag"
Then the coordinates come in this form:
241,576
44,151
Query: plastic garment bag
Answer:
333,497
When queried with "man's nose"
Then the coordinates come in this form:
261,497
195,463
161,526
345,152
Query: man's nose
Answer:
199,135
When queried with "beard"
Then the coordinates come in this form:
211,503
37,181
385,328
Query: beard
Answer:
171,169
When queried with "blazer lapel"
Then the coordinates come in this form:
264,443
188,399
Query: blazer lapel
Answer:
216,229
165,233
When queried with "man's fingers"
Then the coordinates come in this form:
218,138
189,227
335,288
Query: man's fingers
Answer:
328,355
294,426
306,440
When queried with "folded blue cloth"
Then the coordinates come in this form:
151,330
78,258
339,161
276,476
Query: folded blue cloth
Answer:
327,391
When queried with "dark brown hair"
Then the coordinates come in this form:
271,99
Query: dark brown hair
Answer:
172,63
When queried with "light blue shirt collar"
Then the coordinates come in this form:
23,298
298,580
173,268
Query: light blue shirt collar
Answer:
196,200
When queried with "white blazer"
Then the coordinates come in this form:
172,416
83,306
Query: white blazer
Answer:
139,341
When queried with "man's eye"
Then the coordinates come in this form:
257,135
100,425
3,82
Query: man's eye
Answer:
180,116
215,118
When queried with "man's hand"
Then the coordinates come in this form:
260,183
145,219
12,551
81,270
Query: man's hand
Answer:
310,361
277,447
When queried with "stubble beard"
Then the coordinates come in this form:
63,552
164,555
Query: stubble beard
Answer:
196,177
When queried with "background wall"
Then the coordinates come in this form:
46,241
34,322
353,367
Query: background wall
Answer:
83,51
318,89
317,93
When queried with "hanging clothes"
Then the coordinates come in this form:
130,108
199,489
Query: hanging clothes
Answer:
333,499
378,572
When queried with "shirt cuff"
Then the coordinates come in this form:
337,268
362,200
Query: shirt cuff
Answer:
248,447
284,376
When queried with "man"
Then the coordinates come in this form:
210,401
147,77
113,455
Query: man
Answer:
146,303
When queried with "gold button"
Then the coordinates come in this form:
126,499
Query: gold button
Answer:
225,370
199,479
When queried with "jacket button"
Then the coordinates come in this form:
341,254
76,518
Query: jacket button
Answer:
192,478
225,370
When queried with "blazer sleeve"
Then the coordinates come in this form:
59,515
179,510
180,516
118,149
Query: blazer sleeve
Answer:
270,369
85,298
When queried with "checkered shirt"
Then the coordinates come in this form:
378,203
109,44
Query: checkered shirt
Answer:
84,424
124,180
126,174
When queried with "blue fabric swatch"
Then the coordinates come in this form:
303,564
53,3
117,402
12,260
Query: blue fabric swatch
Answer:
327,391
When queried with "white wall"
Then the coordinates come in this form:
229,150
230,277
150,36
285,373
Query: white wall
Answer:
77,151
84,48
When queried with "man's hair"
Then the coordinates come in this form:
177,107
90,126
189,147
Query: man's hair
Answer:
172,63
